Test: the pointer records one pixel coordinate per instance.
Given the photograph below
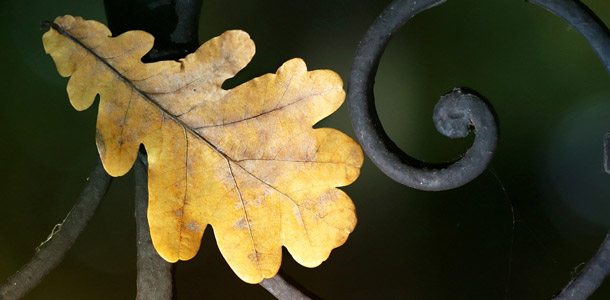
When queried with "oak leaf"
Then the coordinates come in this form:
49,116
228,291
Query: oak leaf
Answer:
245,161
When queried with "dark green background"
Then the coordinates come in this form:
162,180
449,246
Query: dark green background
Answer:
549,89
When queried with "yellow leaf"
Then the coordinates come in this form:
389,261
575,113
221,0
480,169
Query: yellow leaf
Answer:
245,161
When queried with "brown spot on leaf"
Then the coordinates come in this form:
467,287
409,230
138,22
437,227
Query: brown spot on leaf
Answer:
193,226
241,223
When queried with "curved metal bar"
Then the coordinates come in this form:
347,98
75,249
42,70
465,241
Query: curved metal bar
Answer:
283,287
591,277
598,268
52,251
154,276
454,119
579,16
597,34
455,115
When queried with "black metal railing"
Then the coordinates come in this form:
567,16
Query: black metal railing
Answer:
174,25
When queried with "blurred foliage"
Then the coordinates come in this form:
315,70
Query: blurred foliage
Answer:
548,88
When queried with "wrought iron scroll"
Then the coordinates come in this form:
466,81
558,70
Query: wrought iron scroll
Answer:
457,113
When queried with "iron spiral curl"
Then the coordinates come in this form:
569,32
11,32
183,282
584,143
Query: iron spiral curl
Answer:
456,114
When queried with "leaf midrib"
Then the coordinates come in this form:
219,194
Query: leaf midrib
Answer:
140,92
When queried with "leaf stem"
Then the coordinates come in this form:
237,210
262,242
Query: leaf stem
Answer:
52,251
46,24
